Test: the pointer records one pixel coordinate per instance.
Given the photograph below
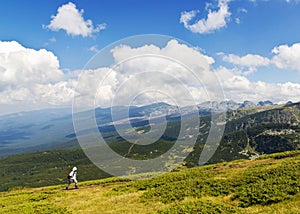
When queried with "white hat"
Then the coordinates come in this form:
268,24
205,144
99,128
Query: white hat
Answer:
74,168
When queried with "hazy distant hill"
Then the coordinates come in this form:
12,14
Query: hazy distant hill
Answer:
53,128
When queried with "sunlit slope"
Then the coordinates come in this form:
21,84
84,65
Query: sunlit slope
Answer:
269,184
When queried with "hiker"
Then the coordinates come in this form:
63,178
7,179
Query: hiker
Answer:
72,178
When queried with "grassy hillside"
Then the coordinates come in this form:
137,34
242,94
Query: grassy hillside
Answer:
45,168
253,131
269,184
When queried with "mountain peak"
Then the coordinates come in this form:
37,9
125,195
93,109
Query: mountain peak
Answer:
265,103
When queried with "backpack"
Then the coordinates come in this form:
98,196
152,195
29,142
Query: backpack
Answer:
69,176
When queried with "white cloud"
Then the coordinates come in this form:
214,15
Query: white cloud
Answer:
94,48
146,71
284,57
287,56
173,49
70,19
186,17
240,88
251,61
59,93
136,74
242,10
19,65
214,21
31,76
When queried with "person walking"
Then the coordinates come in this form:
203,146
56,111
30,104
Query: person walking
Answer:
72,178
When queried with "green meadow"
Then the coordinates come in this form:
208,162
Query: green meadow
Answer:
268,184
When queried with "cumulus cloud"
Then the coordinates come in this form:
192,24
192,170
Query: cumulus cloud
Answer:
240,88
284,57
20,65
214,21
147,74
70,19
31,76
142,73
251,61
174,73
248,60
287,56
173,49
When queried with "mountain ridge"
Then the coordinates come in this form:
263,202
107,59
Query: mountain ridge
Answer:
23,132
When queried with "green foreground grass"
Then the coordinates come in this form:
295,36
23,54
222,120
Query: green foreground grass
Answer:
269,184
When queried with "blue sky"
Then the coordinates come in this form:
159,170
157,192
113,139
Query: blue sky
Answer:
251,27
265,25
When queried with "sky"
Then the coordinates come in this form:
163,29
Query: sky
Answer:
250,47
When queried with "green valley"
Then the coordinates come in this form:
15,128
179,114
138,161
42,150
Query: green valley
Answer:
248,134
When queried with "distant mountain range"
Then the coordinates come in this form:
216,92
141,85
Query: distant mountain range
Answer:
214,106
53,128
